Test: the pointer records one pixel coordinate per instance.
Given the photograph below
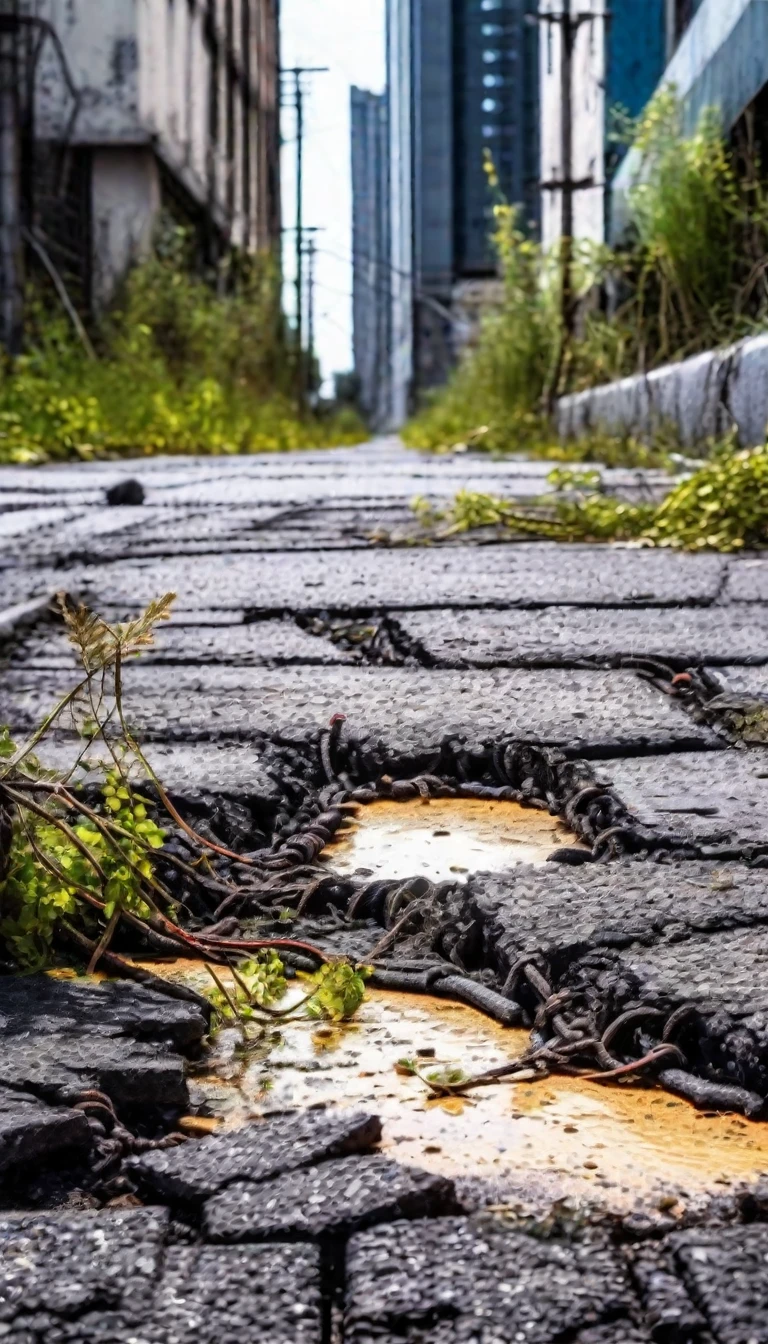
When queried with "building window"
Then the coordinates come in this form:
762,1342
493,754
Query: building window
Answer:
490,56
492,81
490,104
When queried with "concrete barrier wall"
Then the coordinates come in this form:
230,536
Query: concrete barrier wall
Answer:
703,397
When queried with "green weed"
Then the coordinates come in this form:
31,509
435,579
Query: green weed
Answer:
183,366
690,275
721,507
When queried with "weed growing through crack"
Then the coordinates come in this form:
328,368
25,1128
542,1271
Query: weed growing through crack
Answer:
78,859
689,275
721,507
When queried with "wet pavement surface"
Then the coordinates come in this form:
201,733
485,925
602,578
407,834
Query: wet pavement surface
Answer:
547,674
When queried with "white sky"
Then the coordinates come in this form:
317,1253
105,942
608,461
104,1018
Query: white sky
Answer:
349,37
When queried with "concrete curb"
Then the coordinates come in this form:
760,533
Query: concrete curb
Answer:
703,397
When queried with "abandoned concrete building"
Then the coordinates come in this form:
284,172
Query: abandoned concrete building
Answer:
128,108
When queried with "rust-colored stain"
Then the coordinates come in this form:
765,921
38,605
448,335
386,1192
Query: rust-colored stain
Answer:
611,1145
445,838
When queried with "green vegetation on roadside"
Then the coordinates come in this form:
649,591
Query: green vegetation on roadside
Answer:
181,365
721,507
690,275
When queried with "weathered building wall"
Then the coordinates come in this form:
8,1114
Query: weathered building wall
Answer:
177,104
618,55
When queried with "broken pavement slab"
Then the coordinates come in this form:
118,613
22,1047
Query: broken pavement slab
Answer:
260,643
717,799
58,1039
109,1276
259,1152
429,1282
526,575
333,1199
562,913
558,636
408,711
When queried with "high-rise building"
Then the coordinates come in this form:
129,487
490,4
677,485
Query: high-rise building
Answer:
371,294
462,85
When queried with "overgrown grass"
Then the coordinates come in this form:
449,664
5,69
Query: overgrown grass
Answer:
721,507
181,367
690,275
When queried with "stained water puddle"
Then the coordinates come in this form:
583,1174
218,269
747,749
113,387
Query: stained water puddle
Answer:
445,838
609,1146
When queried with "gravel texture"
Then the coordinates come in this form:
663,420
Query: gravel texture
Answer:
333,1199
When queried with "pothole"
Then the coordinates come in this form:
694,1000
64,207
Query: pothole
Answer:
445,838
607,1146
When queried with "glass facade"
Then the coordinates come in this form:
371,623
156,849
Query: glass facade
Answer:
496,114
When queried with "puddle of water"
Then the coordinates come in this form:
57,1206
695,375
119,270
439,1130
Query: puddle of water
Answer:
445,838
608,1145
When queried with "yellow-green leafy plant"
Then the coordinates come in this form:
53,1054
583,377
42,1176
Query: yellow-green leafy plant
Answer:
723,506
183,364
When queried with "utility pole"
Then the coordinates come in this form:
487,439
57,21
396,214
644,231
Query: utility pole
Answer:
569,25
11,254
296,74
311,255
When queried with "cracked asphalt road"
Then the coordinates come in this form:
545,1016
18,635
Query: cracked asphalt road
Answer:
477,639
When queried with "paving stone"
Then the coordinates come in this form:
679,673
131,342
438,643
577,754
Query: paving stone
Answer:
723,973
78,1276
563,912
32,1131
259,1152
332,1199
40,1005
19,522
711,798
257,644
251,1294
409,710
453,1279
506,575
727,1271
557,635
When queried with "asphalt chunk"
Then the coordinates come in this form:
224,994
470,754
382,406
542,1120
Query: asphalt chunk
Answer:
262,1151
717,799
408,710
454,1278
566,635
31,1131
59,1066
39,1005
333,1199
500,575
